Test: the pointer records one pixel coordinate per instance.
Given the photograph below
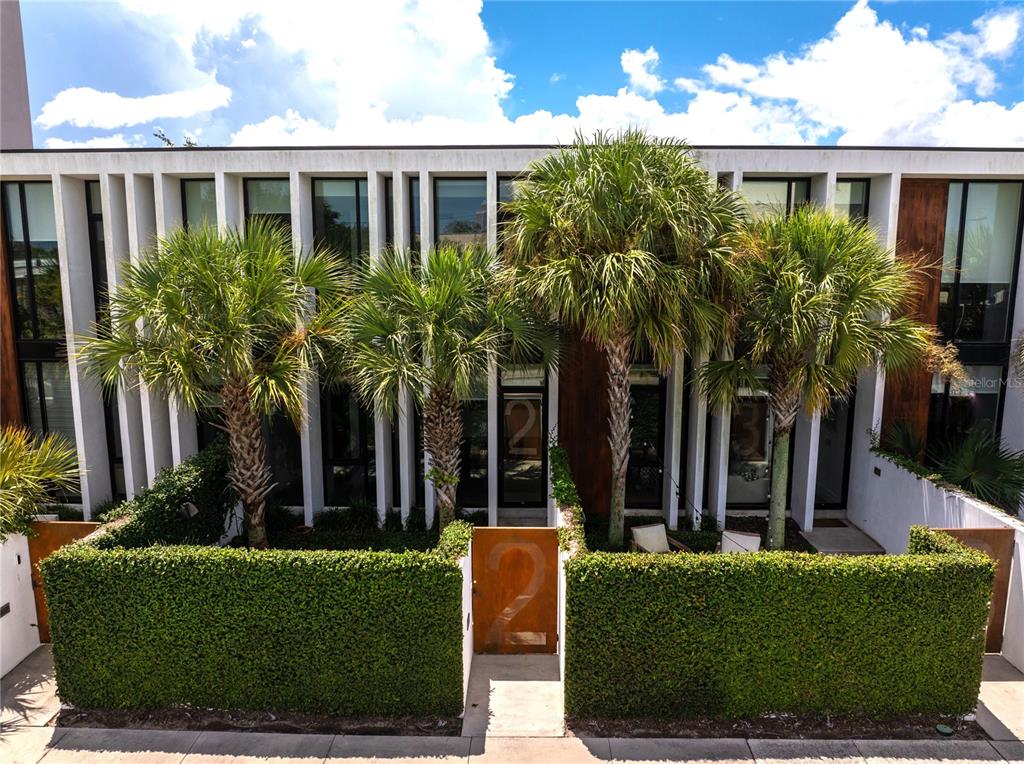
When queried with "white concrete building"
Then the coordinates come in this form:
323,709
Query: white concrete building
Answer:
83,213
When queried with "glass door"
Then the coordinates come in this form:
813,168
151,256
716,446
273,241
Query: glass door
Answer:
750,452
521,409
834,438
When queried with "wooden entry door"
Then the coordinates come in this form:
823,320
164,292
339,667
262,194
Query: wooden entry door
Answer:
515,590
48,538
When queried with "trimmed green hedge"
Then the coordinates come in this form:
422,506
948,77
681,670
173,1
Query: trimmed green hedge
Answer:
571,535
743,635
454,540
156,515
348,633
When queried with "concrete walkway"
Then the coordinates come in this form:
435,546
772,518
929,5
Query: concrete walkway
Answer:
514,696
29,705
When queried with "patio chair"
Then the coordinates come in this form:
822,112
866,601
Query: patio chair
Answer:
655,539
739,541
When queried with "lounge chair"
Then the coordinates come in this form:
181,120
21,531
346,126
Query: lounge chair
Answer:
739,541
655,539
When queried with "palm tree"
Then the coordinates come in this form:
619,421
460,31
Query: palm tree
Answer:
816,292
626,241
30,468
223,322
435,331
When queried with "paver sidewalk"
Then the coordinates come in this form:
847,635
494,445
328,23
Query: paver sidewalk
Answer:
29,705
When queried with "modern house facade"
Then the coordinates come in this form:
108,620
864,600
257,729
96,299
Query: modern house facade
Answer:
71,218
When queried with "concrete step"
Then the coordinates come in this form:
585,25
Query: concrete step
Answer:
523,518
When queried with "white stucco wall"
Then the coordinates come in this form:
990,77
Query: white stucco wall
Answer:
885,506
18,633
467,621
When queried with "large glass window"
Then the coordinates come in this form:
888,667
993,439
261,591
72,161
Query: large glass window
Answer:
268,198
389,211
764,195
522,439
750,452
852,198
472,488
647,445
98,256
956,407
198,202
284,455
350,473
979,257
414,217
341,215
506,190
460,211
834,439
34,272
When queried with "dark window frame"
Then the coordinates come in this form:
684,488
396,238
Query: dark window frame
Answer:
365,460
789,181
851,405
867,193
389,210
362,182
663,409
434,205
500,424
248,214
415,220
184,197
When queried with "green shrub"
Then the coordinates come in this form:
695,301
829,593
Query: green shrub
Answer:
567,500
158,516
356,538
455,540
349,633
748,634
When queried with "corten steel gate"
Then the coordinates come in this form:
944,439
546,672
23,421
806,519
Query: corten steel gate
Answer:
49,537
997,543
515,590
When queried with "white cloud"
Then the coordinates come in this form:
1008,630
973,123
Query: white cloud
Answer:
87,107
639,67
118,141
871,84
423,71
555,78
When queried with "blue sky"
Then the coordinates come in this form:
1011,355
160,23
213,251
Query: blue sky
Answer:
441,71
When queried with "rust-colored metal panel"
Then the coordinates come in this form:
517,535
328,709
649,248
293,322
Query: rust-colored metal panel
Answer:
920,233
583,422
515,590
11,409
997,543
49,537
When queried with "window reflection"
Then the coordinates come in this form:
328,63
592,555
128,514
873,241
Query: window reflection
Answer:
198,202
768,195
341,216
647,442
460,211
268,199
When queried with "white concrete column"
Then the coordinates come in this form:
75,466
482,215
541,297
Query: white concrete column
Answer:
883,211
805,469
426,241
129,405
400,197
492,210
492,444
156,428
375,204
426,214
407,476
696,429
310,436
182,420
718,458
230,206
552,435
673,443
823,189
79,315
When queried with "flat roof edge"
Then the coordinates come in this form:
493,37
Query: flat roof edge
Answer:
485,147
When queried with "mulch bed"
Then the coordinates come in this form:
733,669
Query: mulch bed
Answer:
759,524
782,726
260,721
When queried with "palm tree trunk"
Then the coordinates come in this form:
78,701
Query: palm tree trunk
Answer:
780,478
442,439
249,474
784,398
618,355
